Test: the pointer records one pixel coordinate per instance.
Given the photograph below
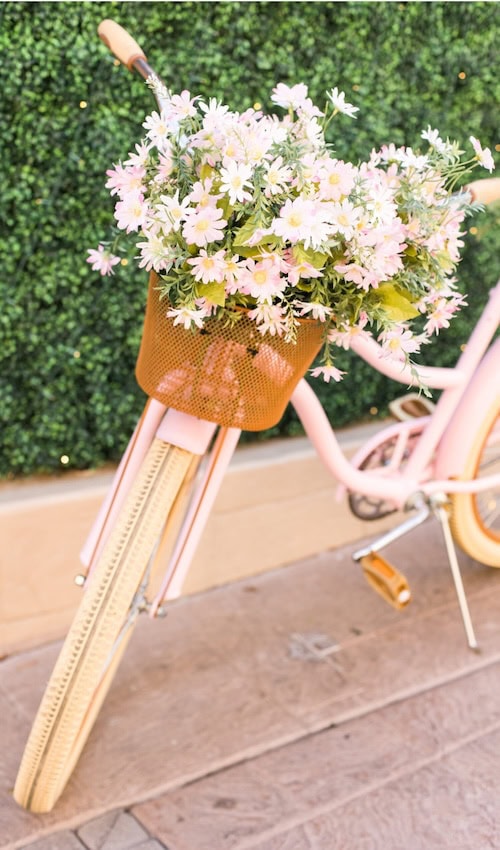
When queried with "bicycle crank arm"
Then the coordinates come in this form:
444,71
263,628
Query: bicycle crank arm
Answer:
393,534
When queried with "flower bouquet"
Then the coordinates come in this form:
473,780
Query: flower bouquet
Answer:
250,219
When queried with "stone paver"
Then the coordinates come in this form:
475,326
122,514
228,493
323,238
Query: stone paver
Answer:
117,830
68,841
57,841
113,831
296,840
391,780
219,685
449,805
151,844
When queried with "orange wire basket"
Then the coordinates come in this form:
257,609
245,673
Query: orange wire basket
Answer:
233,375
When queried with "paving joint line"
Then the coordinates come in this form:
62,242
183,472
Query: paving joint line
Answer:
417,765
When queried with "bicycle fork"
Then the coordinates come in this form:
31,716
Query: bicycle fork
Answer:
391,584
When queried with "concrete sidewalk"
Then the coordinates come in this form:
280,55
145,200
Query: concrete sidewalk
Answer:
291,711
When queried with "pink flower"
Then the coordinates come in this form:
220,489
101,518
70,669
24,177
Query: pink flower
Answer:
235,180
336,179
201,194
344,217
209,268
296,271
442,313
231,274
269,319
344,338
187,317
318,311
339,103
447,240
165,166
308,110
290,97
261,280
362,277
172,212
131,212
203,226
328,373
277,177
154,254
434,139
388,154
141,155
400,342
158,127
182,105
385,244
483,156
216,114
102,260
352,271
303,220
124,180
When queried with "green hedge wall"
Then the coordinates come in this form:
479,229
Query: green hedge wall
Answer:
68,337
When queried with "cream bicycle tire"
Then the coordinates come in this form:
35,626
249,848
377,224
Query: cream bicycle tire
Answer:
100,631
472,516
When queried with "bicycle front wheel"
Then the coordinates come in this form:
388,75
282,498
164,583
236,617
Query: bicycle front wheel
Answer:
101,629
475,518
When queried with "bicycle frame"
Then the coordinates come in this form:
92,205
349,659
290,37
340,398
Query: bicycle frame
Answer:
393,483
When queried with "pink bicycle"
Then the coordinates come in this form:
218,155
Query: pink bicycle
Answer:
445,463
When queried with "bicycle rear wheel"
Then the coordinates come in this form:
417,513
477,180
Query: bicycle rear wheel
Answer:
101,629
475,518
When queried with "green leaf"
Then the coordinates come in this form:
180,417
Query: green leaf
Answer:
244,233
206,170
396,304
213,292
308,255
247,251
445,261
227,209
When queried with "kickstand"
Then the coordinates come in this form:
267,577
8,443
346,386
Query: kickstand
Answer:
440,510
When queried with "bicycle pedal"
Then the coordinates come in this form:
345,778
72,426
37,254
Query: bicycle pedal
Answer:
386,580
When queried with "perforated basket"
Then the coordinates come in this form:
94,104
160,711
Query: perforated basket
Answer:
234,376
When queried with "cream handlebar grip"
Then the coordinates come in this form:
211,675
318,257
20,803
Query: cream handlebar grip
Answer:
485,191
124,47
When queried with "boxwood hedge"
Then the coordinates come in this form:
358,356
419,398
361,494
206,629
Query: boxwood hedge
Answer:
68,337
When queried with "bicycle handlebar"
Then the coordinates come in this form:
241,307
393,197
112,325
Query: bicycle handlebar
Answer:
120,42
485,191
